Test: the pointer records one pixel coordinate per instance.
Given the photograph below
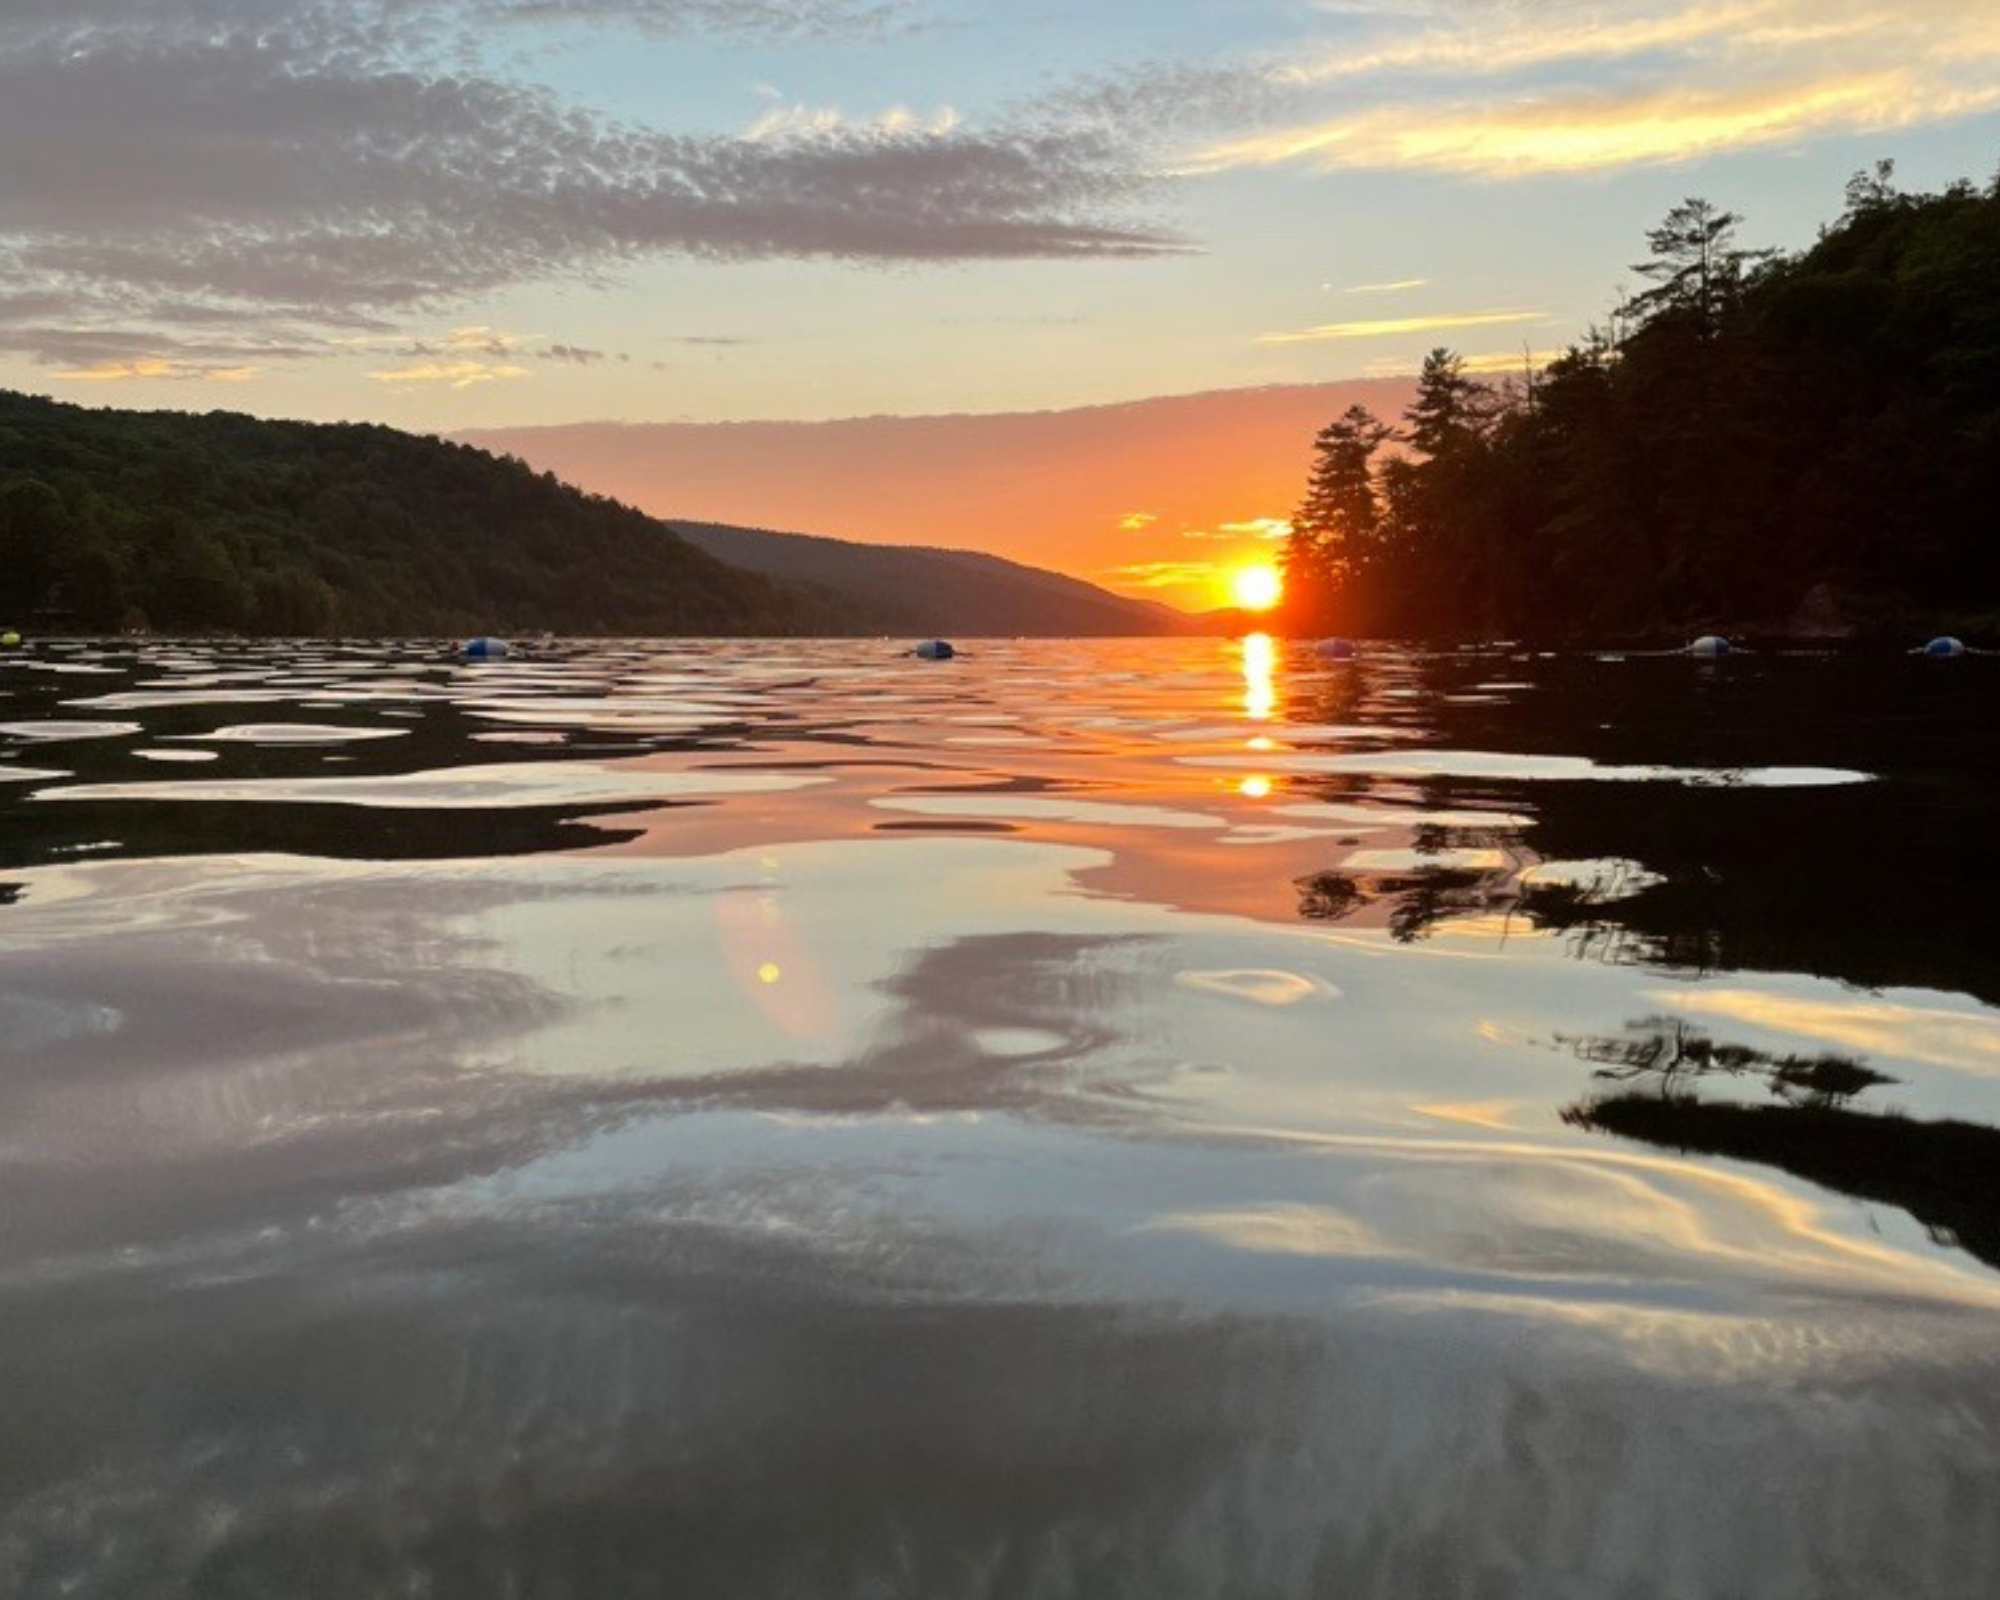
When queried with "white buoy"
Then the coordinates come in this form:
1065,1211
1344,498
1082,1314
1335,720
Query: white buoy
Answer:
1944,645
1335,649
1709,644
934,650
484,649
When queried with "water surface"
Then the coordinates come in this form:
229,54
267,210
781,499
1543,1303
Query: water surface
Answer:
1146,1118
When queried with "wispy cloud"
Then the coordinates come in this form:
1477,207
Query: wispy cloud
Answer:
1590,130
1388,326
1137,521
155,369
1507,361
1269,528
1259,528
1397,286
449,374
1162,574
1567,86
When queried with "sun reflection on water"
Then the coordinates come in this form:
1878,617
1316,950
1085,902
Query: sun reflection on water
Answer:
1260,685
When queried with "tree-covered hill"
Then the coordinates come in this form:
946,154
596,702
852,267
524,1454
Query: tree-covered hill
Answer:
179,522
1758,442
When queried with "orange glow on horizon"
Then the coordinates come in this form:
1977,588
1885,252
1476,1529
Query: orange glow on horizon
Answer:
1257,588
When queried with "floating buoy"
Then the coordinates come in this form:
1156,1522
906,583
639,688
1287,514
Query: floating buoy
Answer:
10,640
934,650
1709,644
483,649
1335,649
1944,645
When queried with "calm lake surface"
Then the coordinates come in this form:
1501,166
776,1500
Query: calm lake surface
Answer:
1146,1118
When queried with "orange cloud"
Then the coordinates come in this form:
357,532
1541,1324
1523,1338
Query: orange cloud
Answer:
452,374
1162,574
154,367
1634,82
1386,326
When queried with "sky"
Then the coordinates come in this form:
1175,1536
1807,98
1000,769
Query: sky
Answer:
449,215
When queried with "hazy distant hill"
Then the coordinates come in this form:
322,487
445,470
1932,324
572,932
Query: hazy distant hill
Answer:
1115,494
911,589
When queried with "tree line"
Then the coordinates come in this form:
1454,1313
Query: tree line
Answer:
1756,442
118,520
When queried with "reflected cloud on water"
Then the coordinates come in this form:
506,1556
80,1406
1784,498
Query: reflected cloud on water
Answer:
695,1143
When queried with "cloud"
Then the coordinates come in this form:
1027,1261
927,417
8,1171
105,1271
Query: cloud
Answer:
154,368
336,165
1588,130
1396,287
449,374
575,355
484,341
768,18
1507,91
447,25
1162,574
1514,362
799,122
1387,326
1264,528
1134,521
45,328
1259,528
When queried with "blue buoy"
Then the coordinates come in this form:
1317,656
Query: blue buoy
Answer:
934,650
484,649
1335,649
1709,644
1945,645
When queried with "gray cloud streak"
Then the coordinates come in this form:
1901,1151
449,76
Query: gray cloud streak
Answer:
234,158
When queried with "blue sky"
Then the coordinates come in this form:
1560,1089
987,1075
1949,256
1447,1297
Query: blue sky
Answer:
454,213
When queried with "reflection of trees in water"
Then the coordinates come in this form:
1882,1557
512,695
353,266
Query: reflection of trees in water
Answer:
1424,896
1945,1174
1879,883
1675,1055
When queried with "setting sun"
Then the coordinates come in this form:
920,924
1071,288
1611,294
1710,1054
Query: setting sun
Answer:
1256,588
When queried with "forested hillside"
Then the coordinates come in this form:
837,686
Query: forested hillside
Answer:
177,522
1757,442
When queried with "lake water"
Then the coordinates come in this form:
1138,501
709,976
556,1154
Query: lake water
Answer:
1149,1118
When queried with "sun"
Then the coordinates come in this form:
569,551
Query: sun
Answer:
1257,588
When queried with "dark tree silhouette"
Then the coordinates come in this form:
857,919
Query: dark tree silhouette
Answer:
1761,443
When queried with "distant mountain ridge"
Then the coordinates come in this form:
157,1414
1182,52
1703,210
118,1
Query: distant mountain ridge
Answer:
926,589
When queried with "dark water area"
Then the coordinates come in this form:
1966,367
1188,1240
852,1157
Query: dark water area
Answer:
1151,1118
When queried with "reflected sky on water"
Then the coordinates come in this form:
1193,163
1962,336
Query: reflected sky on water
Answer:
1153,1118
